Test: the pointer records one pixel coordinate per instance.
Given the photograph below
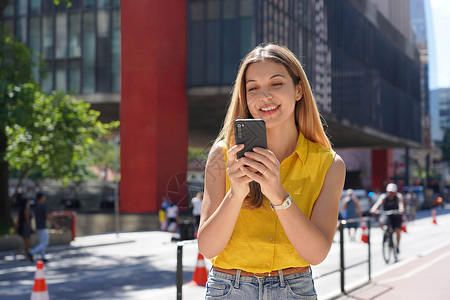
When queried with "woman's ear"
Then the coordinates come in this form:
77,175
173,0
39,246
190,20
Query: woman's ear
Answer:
298,92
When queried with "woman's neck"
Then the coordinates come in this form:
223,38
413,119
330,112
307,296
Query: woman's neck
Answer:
282,141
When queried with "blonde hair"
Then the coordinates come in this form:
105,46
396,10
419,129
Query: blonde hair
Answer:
307,117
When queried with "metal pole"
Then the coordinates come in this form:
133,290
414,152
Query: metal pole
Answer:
407,165
116,188
179,270
341,242
368,244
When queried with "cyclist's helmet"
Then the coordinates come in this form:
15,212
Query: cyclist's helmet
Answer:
391,187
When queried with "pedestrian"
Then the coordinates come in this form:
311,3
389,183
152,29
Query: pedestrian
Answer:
351,211
162,213
172,217
23,226
411,205
268,216
41,214
197,207
391,200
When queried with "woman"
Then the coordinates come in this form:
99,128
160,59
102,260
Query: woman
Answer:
269,215
23,227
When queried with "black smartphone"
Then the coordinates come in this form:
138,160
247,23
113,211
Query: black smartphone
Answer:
251,133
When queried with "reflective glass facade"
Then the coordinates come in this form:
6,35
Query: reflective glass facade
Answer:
220,33
80,45
356,71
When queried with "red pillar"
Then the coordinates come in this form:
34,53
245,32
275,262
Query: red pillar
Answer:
153,109
382,171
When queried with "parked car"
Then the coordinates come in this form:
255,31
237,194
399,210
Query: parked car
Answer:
363,197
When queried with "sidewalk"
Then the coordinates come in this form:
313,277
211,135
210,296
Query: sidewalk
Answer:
425,277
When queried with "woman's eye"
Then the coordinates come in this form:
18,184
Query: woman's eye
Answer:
252,89
277,84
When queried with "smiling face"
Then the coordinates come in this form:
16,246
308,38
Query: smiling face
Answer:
271,93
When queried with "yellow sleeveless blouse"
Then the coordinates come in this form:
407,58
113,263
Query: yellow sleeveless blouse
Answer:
258,243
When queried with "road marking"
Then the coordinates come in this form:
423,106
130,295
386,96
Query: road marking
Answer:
417,270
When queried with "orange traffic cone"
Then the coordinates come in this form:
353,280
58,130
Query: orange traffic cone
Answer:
40,291
365,232
433,214
200,275
404,224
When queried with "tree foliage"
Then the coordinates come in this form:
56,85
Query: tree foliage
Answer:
16,68
45,134
56,138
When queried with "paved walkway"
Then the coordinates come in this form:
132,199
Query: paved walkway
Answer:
426,277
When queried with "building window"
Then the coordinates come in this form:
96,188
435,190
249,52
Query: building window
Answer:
61,36
220,33
9,10
102,3
89,52
47,81
74,35
35,41
103,51
21,29
89,3
35,6
74,77
115,51
47,37
61,76
21,7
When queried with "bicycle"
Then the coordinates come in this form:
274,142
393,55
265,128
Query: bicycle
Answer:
389,246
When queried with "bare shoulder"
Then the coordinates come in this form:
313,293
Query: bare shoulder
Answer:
338,165
216,156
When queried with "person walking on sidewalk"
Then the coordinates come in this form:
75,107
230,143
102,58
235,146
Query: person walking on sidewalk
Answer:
268,216
23,226
197,207
41,215
351,211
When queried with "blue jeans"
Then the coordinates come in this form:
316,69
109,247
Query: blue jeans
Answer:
43,242
237,287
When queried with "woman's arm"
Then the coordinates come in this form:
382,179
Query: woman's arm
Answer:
220,210
312,239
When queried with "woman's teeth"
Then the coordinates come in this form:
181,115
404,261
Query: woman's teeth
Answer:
269,108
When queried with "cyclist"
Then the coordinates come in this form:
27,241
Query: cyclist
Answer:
391,200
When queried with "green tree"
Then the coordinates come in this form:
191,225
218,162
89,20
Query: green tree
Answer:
56,139
16,68
104,153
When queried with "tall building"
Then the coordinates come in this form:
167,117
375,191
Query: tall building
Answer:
363,67
443,96
80,46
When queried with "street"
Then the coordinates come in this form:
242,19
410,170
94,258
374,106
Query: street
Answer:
142,265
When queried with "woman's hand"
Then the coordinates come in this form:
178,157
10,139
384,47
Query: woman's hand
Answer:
238,180
264,168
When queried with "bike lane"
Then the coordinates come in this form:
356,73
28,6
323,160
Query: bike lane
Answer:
425,277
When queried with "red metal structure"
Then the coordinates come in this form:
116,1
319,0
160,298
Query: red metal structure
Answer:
153,109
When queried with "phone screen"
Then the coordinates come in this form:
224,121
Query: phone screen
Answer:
251,133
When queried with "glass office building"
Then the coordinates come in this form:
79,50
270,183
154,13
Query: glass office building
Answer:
80,45
361,69
363,72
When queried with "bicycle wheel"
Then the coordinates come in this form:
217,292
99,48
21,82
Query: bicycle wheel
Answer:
387,241
394,248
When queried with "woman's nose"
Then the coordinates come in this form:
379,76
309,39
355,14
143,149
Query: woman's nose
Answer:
264,94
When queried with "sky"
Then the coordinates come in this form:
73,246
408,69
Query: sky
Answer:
438,43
